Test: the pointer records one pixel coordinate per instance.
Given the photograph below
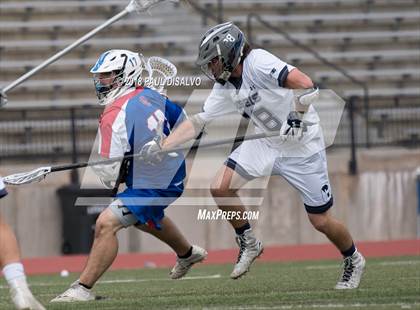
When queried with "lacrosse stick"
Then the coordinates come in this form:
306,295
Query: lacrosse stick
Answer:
134,5
40,173
161,71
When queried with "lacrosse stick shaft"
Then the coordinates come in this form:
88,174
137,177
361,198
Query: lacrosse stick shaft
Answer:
180,148
37,174
224,141
121,175
60,54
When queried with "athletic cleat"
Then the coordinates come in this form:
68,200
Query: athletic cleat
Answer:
249,249
75,293
352,273
22,297
184,264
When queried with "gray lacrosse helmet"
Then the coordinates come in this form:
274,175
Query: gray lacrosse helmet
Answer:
224,42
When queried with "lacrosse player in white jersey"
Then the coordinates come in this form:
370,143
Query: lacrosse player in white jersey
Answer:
12,267
276,97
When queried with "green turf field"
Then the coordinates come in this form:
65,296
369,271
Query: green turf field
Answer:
392,283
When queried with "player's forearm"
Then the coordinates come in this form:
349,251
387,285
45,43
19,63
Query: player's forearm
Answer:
183,133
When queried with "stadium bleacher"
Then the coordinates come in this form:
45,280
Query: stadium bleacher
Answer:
375,41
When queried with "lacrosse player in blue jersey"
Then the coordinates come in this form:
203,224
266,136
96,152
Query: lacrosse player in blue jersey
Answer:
277,97
134,115
12,267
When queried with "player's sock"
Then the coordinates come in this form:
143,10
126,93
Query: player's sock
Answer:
188,254
349,252
85,286
242,229
19,290
13,272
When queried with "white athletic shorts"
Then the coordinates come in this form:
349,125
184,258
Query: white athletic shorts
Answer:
309,175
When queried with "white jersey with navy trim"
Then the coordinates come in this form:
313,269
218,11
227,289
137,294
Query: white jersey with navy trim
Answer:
3,191
260,94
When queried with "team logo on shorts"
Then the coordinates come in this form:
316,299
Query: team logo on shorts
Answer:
124,210
326,193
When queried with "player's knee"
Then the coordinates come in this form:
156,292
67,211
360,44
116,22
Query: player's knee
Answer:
105,224
319,221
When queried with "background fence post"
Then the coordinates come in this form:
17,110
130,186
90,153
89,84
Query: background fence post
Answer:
353,156
74,154
418,202
220,11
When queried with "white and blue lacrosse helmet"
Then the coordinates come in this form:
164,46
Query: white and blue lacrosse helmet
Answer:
115,72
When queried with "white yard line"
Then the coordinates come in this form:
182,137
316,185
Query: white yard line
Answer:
395,263
215,276
322,267
328,306
402,262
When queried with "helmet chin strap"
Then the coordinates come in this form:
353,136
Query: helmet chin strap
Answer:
224,77
226,73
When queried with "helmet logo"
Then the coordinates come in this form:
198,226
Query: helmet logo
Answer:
100,61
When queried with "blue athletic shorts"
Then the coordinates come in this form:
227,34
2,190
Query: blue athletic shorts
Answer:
148,205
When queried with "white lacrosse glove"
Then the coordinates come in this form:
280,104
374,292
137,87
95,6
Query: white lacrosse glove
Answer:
308,97
150,152
107,173
295,127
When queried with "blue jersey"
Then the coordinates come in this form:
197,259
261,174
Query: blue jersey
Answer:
130,122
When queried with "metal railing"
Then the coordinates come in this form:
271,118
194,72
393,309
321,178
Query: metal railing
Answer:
47,133
207,13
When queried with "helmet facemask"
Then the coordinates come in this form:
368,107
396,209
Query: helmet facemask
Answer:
213,69
106,84
220,70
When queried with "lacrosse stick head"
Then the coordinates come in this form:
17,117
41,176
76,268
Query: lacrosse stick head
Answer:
143,5
36,175
160,72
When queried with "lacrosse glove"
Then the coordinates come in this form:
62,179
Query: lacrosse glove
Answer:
295,127
150,152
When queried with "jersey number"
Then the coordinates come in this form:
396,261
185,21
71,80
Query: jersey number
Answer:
155,119
268,120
